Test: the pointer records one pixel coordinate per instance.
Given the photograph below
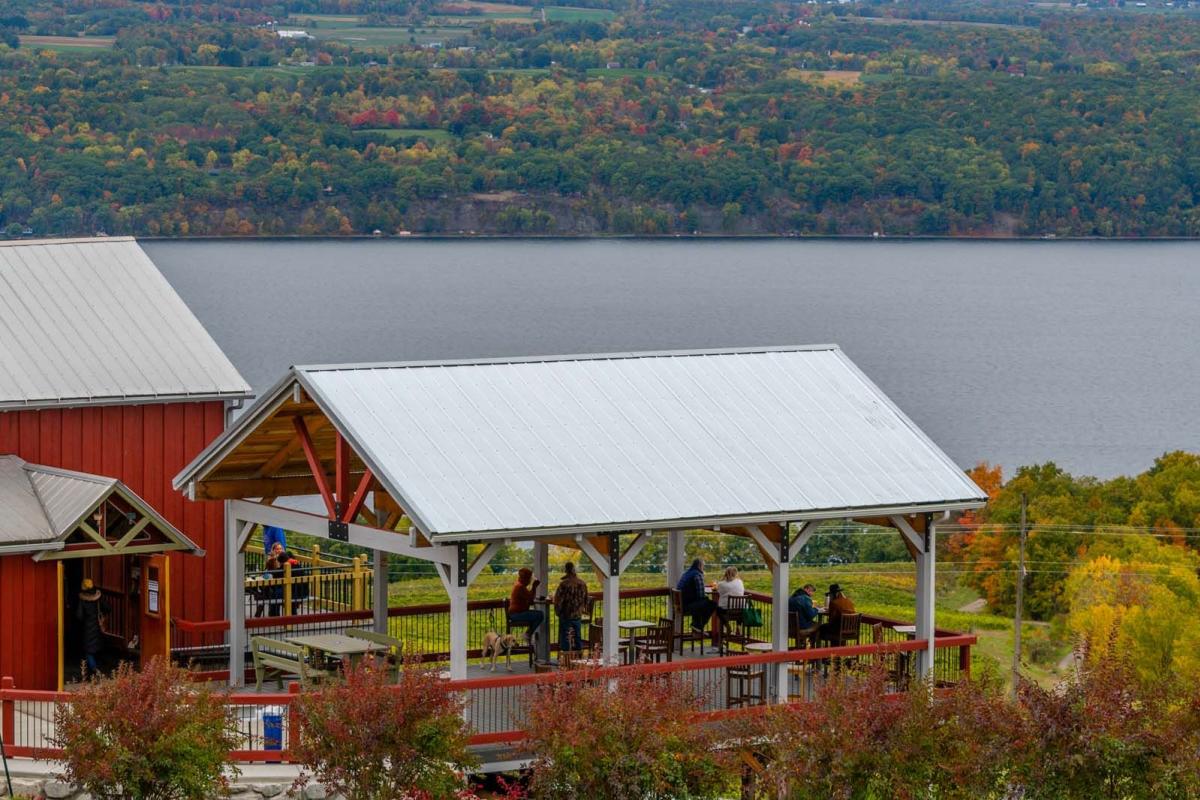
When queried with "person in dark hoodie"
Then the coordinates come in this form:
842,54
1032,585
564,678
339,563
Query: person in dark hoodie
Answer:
694,596
90,613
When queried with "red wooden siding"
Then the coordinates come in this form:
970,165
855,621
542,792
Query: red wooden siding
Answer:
144,446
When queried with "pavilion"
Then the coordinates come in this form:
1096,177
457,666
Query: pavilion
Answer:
589,452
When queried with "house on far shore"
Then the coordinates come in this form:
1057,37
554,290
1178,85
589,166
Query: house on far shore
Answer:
109,385
293,34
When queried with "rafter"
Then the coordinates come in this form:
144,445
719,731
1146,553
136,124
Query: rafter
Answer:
314,464
349,512
275,462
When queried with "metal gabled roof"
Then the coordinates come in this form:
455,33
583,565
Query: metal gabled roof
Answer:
623,441
93,321
40,507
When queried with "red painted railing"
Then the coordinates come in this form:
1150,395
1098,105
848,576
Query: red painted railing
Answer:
495,705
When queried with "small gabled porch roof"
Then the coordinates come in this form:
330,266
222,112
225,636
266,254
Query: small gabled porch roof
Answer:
56,513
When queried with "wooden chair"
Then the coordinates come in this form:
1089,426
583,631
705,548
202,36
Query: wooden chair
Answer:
681,627
733,629
802,638
849,629
655,643
596,643
520,628
741,684
896,664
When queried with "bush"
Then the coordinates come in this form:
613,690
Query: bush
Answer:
148,735
635,740
367,738
1103,734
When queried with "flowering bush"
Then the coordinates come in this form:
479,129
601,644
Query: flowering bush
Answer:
367,738
148,735
632,738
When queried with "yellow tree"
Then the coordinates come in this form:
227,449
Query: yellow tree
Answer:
1142,597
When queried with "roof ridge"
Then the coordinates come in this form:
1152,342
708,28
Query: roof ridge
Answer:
546,359
67,240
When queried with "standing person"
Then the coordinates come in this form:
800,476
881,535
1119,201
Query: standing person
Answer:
570,601
695,597
91,613
520,602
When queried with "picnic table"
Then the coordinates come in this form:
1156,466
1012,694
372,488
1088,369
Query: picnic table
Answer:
337,646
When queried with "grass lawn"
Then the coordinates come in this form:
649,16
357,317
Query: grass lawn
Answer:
570,14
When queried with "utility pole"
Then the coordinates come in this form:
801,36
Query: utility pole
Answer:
1016,666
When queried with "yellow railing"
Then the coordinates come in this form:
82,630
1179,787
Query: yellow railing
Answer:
321,585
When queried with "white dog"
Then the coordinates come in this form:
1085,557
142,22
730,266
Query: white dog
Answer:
495,644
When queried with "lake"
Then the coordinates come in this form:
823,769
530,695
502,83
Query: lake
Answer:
1084,353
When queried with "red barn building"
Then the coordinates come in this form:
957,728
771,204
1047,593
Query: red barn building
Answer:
105,371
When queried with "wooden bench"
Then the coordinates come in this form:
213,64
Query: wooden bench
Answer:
283,658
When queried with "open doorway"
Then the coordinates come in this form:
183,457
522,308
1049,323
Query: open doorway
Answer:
117,580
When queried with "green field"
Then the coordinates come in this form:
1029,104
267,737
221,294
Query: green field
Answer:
67,44
885,590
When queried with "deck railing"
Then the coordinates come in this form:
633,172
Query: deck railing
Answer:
425,629
497,707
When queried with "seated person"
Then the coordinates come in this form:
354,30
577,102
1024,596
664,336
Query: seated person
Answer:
839,604
801,604
695,597
731,586
520,602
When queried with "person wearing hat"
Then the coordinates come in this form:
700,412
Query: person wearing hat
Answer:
90,613
839,604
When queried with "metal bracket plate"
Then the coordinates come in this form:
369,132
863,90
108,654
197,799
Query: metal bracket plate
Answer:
339,531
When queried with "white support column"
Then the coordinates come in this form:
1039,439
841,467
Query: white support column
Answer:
779,615
541,564
235,598
676,552
926,556
612,615
379,588
454,580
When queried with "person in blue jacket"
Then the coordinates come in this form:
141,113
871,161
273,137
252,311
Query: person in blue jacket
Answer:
271,535
694,595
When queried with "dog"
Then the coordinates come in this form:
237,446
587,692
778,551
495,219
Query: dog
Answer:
495,644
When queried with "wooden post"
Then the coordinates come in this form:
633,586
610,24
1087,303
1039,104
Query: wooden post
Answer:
358,601
61,626
1016,665
287,589
925,600
8,719
293,719
964,662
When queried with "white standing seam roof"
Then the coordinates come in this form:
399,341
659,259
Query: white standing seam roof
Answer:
625,441
40,507
90,321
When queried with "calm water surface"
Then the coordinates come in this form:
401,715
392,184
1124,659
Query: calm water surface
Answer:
1012,352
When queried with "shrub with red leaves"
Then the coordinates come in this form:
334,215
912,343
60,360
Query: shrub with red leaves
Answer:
632,738
146,735
828,748
1104,734
367,738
